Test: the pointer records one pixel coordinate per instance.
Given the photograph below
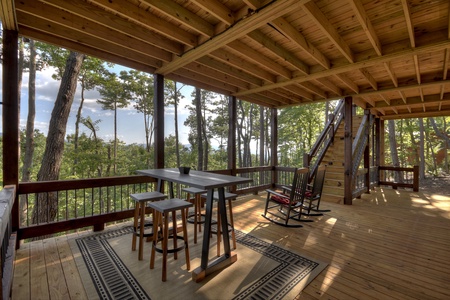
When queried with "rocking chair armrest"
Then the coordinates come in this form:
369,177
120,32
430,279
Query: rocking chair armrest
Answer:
286,188
276,193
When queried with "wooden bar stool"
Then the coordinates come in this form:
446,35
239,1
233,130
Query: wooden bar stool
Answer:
162,210
197,217
229,197
139,225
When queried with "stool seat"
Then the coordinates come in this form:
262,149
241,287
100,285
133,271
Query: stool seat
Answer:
170,205
193,190
162,210
227,196
148,196
139,217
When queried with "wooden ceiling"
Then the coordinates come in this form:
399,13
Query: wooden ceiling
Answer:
391,56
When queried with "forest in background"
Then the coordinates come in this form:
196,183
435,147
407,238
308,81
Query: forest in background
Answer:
83,154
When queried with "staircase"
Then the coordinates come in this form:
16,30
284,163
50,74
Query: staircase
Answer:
333,189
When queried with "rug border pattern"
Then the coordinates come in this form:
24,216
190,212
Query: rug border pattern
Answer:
291,269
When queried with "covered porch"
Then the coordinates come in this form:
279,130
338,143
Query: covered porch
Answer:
391,58
390,244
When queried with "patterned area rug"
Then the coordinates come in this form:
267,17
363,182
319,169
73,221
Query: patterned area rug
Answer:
110,270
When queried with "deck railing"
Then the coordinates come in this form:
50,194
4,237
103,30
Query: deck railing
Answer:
399,177
94,202
8,238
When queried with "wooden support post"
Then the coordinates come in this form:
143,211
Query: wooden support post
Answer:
274,144
367,153
158,102
232,121
348,143
10,117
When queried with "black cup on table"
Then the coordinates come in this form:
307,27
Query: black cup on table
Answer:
184,170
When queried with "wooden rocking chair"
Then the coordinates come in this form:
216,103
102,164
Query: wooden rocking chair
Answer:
314,193
285,206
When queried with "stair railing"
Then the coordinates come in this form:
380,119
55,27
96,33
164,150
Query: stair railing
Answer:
323,142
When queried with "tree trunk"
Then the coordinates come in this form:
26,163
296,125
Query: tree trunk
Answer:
393,147
29,143
46,208
261,136
115,139
77,128
198,111
422,150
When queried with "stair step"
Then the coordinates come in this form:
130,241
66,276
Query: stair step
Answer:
334,182
333,190
332,198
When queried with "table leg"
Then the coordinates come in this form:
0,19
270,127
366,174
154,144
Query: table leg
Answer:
224,222
225,260
207,231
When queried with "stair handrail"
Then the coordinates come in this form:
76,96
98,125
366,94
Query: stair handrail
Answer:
359,143
325,139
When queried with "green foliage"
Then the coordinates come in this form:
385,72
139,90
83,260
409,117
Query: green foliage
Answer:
298,129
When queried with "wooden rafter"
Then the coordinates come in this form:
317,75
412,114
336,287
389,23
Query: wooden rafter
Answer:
366,24
296,37
322,22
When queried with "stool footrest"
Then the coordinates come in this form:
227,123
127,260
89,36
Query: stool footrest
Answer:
147,225
171,250
190,219
214,228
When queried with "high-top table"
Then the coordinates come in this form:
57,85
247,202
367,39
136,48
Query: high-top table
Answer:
209,182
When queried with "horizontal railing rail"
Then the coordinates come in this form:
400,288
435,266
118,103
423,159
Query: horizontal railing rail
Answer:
399,177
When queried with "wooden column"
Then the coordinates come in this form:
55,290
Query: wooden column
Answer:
10,116
348,143
158,102
367,152
274,143
232,122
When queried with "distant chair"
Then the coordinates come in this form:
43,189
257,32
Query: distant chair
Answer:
288,205
314,193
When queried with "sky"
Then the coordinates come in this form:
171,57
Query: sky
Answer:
130,123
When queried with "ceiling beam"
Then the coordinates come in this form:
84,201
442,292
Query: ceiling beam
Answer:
366,24
296,37
95,16
182,15
8,15
262,61
241,28
216,9
437,46
327,28
275,48
127,11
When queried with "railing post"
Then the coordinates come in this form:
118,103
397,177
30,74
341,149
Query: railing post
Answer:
416,179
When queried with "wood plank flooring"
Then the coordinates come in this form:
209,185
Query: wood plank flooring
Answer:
387,245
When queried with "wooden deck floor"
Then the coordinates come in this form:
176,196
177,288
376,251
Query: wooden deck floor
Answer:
387,245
